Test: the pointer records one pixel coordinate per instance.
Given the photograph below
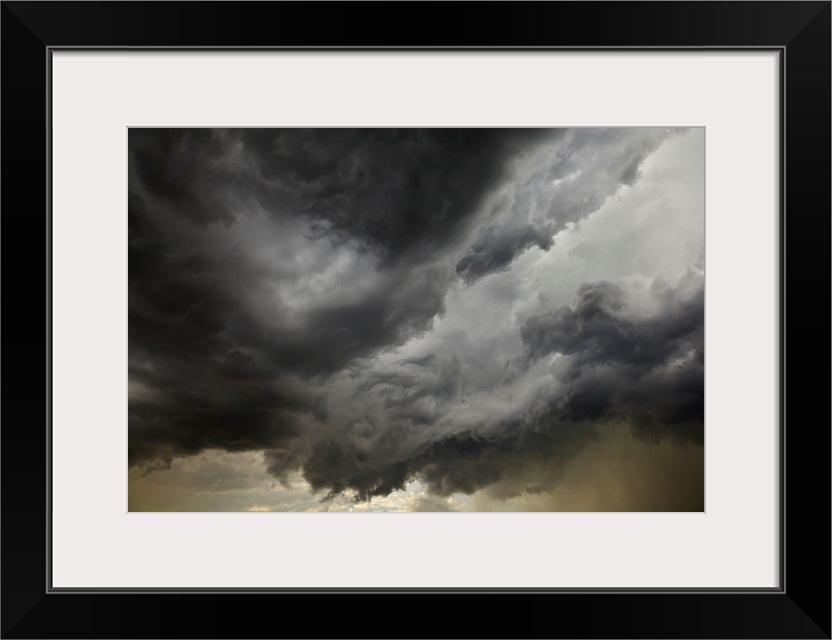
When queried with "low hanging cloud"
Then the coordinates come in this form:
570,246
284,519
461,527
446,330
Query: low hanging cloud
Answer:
635,355
289,293
623,353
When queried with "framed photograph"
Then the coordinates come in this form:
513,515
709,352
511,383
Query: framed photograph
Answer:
317,310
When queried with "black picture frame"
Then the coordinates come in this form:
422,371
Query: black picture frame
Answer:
799,31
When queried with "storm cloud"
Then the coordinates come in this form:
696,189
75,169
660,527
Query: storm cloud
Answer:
498,250
635,354
370,308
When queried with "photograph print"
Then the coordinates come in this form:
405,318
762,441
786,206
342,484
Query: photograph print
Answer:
428,320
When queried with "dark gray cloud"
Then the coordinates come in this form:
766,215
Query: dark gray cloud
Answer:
395,189
648,368
392,189
497,250
185,168
464,462
276,274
